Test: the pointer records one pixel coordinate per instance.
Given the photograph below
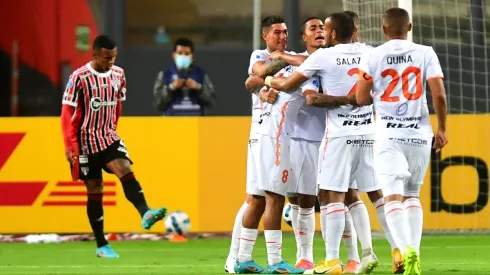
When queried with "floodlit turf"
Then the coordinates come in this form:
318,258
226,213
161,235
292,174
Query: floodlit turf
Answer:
440,255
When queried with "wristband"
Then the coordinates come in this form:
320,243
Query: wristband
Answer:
268,81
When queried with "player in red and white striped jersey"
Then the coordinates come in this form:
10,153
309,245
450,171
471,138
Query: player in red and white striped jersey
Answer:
91,109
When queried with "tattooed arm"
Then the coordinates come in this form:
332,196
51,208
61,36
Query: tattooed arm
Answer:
322,100
274,67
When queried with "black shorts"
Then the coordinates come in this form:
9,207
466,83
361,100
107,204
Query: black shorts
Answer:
97,162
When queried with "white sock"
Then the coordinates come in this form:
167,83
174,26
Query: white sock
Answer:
237,229
335,228
415,214
273,240
294,224
362,225
398,224
247,242
350,237
379,204
323,224
306,232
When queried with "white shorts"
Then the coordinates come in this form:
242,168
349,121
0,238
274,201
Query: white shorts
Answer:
345,161
404,159
252,166
304,164
274,168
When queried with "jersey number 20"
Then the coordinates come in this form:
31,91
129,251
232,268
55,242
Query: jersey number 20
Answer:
395,78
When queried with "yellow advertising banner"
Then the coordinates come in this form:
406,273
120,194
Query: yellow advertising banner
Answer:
198,165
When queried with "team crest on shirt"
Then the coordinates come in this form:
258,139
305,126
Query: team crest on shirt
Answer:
115,82
402,109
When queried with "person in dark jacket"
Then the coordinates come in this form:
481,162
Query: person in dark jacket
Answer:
183,89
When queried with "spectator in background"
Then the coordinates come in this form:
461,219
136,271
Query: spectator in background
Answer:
183,89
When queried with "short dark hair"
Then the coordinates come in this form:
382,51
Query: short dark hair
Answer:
184,42
103,42
271,20
397,18
303,25
343,25
352,14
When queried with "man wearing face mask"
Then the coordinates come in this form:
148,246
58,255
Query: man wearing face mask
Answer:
183,89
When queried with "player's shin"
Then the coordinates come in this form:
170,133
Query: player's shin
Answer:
415,214
380,209
294,223
250,223
350,238
95,213
237,228
306,232
335,223
362,225
134,193
272,227
394,211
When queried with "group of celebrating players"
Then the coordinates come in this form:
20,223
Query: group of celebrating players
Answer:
314,134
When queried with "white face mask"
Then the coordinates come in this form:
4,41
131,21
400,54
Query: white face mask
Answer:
183,61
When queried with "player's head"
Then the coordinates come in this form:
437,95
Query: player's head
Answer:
183,53
396,23
104,52
312,32
357,24
275,33
339,28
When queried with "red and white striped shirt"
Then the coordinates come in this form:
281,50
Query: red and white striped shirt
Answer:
95,97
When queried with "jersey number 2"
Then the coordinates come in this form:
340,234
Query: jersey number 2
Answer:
395,77
351,72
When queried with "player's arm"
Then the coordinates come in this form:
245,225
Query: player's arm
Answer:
322,100
255,82
286,83
311,66
291,59
69,104
121,98
364,87
439,100
434,79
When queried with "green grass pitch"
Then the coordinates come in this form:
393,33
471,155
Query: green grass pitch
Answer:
456,255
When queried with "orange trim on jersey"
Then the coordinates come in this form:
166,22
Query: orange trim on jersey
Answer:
437,76
278,134
365,76
326,137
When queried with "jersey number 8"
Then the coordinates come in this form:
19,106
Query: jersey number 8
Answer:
395,77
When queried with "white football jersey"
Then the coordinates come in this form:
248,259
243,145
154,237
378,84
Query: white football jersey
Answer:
310,124
278,120
338,68
257,105
400,69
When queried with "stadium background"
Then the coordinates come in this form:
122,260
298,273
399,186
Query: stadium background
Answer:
198,164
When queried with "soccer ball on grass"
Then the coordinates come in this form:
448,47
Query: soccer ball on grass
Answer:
178,222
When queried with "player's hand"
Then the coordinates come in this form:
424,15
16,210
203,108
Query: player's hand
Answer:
440,139
178,83
191,84
276,55
269,96
69,156
311,98
254,81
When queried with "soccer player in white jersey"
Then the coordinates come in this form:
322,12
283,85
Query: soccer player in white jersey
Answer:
275,36
274,169
398,71
356,206
346,154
